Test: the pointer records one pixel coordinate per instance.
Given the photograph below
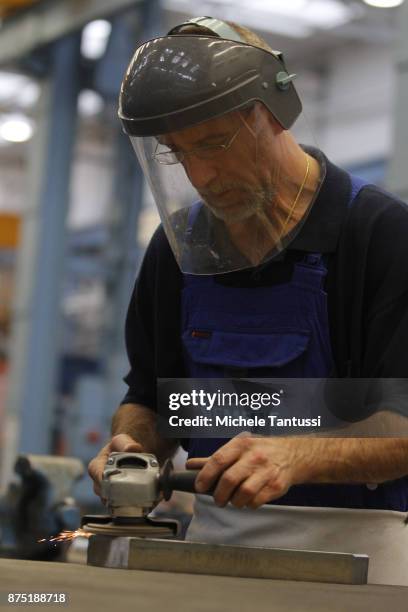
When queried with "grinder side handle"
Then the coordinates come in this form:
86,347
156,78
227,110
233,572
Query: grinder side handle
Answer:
171,480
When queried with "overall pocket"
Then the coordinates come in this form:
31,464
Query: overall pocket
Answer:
214,353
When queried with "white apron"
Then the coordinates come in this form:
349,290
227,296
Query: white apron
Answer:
380,534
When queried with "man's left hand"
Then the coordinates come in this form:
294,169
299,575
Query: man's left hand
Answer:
251,471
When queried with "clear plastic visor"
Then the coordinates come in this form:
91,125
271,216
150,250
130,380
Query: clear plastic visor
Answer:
232,192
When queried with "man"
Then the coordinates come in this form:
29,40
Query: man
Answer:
270,262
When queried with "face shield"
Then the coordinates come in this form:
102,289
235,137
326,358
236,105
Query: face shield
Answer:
232,186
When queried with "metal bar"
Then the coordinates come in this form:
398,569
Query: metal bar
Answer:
50,21
219,560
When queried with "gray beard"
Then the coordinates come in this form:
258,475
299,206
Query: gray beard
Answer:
255,206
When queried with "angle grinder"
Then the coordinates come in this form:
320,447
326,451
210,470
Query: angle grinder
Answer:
132,485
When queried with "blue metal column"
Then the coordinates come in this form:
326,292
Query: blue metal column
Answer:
124,258
128,30
98,396
35,330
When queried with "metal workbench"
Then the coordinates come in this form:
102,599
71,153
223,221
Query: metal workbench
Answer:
95,589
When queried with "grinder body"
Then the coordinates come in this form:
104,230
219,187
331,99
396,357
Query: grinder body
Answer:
130,484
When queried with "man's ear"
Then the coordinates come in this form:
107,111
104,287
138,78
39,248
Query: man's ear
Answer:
273,123
259,117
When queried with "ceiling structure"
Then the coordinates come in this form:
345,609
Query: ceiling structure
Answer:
306,30
301,27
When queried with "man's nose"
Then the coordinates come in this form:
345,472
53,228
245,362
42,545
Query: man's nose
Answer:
201,172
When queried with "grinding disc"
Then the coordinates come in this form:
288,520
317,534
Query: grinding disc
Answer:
140,530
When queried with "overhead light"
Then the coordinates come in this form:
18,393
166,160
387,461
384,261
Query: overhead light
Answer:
327,14
16,129
317,13
384,3
90,103
95,38
28,94
17,90
296,19
10,83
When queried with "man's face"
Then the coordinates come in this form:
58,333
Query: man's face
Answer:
229,180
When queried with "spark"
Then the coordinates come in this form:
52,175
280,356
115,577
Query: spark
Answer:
67,536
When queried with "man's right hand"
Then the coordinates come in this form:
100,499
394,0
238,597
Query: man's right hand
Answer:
121,443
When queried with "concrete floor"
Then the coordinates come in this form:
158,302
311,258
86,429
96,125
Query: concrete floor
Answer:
98,589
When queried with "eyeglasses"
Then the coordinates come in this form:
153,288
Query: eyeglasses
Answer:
169,157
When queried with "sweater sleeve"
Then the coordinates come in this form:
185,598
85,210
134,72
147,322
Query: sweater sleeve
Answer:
385,318
385,308
370,300
139,335
152,329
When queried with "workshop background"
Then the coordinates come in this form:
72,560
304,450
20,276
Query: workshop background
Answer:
76,215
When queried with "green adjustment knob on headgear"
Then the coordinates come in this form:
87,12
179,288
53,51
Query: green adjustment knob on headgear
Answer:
283,80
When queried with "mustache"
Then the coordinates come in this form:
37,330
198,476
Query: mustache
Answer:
219,188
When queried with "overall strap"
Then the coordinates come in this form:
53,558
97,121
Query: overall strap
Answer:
310,271
192,217
357,184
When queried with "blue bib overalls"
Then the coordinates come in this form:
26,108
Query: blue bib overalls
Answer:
277,331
